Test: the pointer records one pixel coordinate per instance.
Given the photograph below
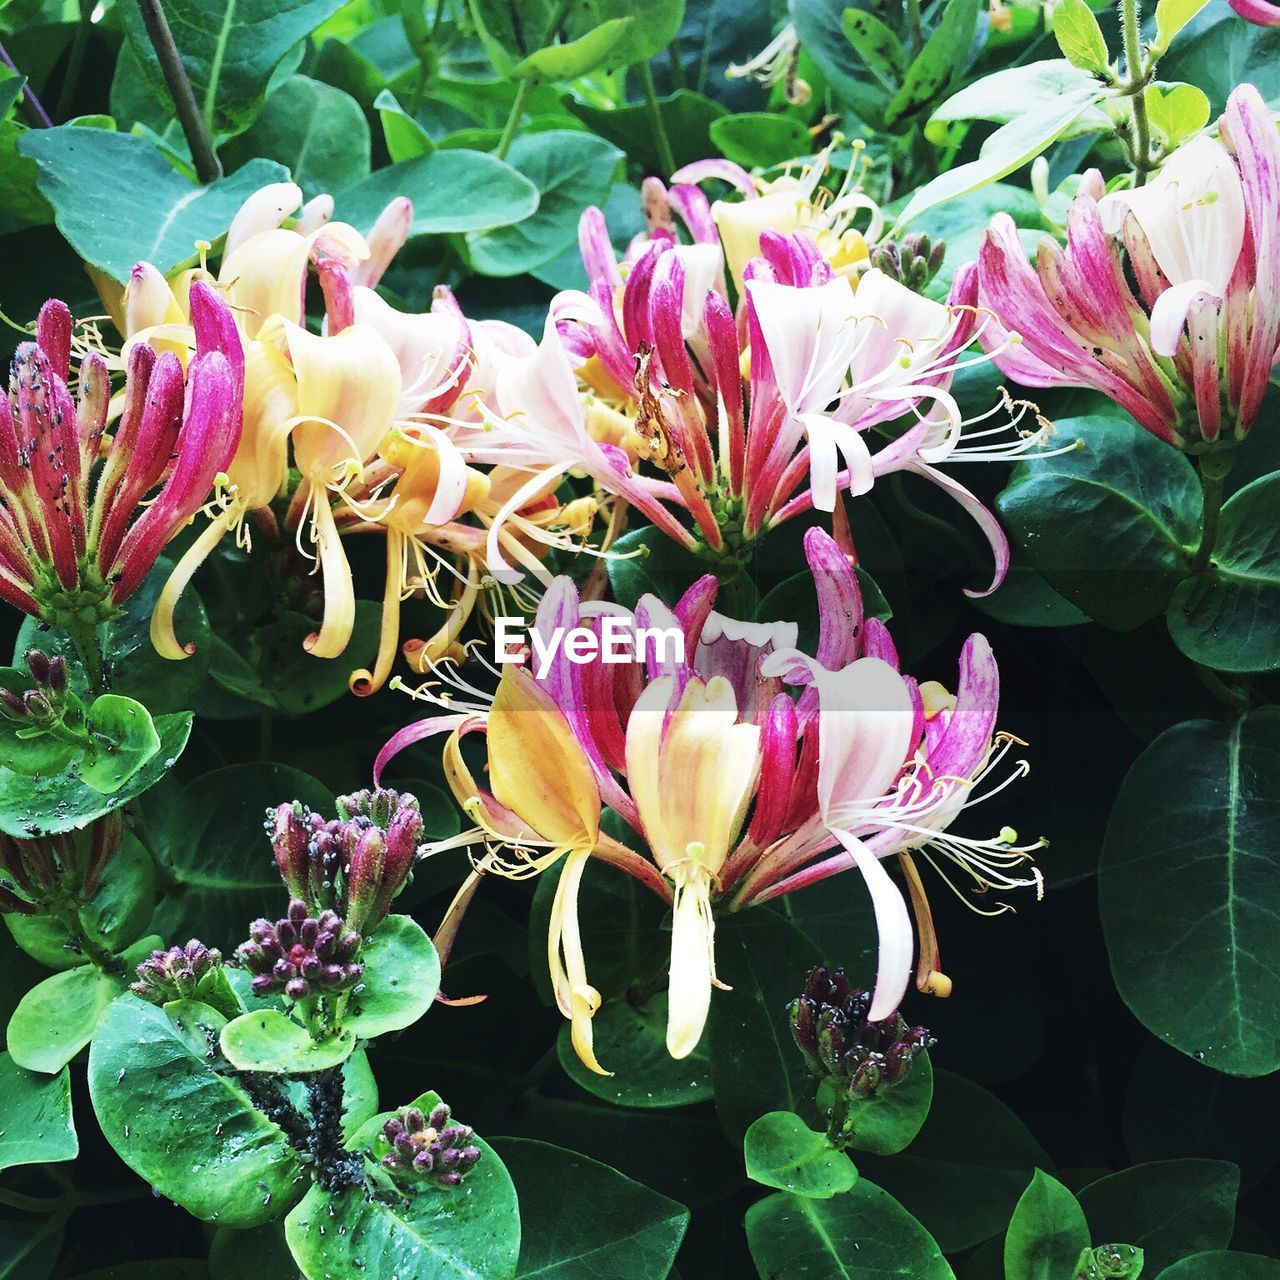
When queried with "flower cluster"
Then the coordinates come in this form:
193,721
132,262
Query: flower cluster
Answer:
42,705
1166,298
429,1148
354,864
302,955
56,870
175,974
77,539
830,1025
749,770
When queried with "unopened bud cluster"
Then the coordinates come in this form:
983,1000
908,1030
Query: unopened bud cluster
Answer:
302,954
830,1026
56,870
913,261
354,864
42,704
429,1147
175,974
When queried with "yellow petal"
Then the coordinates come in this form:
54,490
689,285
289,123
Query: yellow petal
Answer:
261,465
577,998
536,767
348,386
339,591
692,964
740,223
163,637
265,276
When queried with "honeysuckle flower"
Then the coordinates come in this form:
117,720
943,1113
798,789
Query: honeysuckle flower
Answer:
77,538
1189,354
1261,12
741,789
740,413
776,63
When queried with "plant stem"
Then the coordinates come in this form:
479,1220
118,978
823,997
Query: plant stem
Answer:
1136,87
208,166
100,956
30,103
1233,697
1213,485
666,158
29,1204
66,95
677,67
513,120
917,27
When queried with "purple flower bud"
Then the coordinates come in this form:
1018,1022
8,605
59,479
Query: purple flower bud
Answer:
437,1152
175,974
299,954
57,677
290,837
12,706
38,664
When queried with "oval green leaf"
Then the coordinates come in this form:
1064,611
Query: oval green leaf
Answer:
781,1151
268,1040
401,978
37,1127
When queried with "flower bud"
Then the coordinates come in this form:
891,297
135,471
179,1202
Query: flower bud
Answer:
176,973
38,664
431,1149
290,838
12,707
301,955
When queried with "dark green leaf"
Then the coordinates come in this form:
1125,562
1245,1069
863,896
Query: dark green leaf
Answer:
1047,1234
628,1232
781,1151
157,215
877,45
755,1065
1218,1264
1107,524
230,48
646,560
938,63
29,1250
630,1040
861,1235
317,132
1188,895
451,191
37,1127
1167,1209
1228,617
889,1121
962,1202
571,170
188,1130
686,116
405,137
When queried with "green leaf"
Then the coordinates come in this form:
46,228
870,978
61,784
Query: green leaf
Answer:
1228,617
62,802
37,1127
538,39
631,1041
156,214
889,1121
628,1233
234,1254
451,191
1079,36
877,45
1218,1264
317,132
1187,892
57,1017
937,64
405,137
687,117
214,846
268,1040
864,1234
29,1250
571,170
577,57
781,1151
1139,501
1167,1209
1177,111
759,139
1221,52
471,1232
126,737
229,49
755,1065
1047,1234
647,559
962,1202
183,1126
1171,17
401,978
1009,148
